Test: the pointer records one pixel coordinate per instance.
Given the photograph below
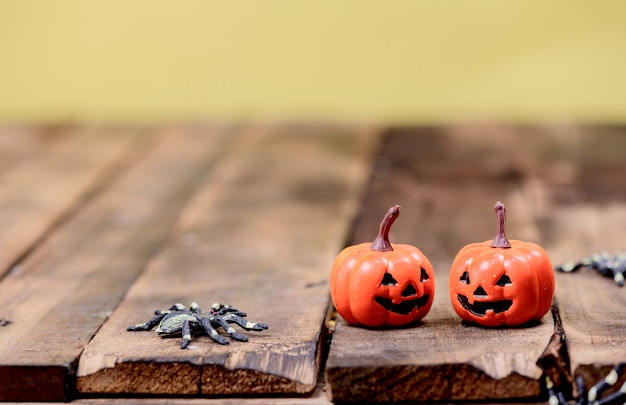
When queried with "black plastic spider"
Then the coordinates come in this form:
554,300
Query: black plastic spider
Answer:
609,264
180,320
592,397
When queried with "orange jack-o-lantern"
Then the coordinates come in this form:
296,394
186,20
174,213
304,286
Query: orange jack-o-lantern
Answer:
501,282
380,283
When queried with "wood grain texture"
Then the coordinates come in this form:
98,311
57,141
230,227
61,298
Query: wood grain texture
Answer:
440,359
50,174
447,180
260,235
60,294
592,309
587,214
254,216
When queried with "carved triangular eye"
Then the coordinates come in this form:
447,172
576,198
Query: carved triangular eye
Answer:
423,275
465,278
388,280
504,280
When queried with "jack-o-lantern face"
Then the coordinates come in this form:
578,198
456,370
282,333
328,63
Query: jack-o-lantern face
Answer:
494,289
391,291
501,282
382,284
483,302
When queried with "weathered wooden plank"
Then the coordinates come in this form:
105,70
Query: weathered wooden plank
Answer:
46,173
446,180
60,294
592,310
439,360
315,399
260,235
584,213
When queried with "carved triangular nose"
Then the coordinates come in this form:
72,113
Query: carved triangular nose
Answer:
409,291
480,292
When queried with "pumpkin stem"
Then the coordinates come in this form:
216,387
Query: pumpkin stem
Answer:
381,243
500,241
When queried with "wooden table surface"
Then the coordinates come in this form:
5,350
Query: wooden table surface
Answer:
102,225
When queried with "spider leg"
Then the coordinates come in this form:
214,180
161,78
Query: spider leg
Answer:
604,264
554,397
230,331
221,309
619,395
607,382
570,266
150,324
175,307
244,323
186,330
213,334
580,385
618,276
610,265
619,269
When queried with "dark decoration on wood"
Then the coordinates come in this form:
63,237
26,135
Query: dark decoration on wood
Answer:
594,395
179,320
611,265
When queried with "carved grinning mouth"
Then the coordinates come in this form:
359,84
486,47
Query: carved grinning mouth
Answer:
403,308
479,308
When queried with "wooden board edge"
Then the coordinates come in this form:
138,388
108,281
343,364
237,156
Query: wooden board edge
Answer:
445,382
554,361
46,383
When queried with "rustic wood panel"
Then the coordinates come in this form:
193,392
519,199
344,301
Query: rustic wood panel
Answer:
585,212
48,172
118,201
260,235
316,399
447,179
55,300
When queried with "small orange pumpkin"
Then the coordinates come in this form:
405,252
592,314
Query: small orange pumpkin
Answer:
382,284
501,282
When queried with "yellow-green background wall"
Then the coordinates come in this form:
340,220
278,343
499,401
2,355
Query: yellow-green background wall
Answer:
398,61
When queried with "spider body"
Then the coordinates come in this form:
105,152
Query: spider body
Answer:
611,265
178,320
